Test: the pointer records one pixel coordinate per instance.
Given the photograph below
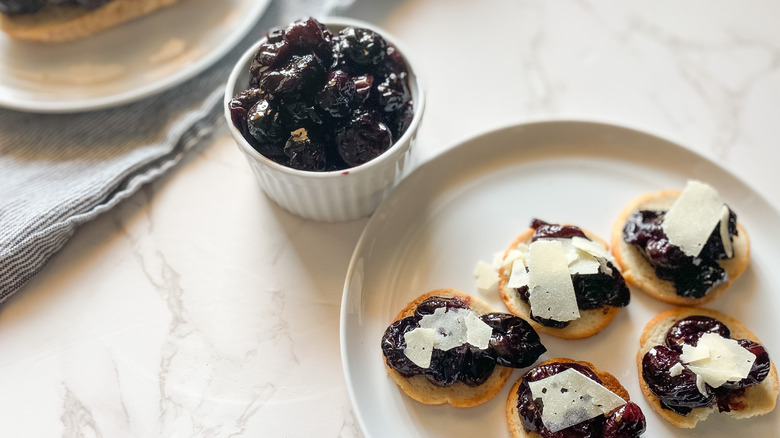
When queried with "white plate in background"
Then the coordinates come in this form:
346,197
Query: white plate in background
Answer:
125,63
473,200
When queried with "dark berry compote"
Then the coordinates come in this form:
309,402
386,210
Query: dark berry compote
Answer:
14,7
513,343
626,421
319,101
678,391
692,277
593,291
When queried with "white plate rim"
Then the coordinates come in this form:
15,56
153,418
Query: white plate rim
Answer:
179,76
376,218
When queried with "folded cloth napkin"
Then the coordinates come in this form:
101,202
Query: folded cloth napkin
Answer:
59,171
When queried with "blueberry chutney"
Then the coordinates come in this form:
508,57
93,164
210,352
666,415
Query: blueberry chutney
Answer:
693,277
593,291
20,7
679,391
319,101
626,421
513,343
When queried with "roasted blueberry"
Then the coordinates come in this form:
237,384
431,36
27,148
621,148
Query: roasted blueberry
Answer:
544,229
627,421
430,304
364,138
549,322
477,365
394,344
445,368
689,330
680,393
514,341
298,113
362,48
393,92
264,126
240,105
363,86
295,77
401,120
694,279
309,35
304,152
597,290
270,56
337,95
394,62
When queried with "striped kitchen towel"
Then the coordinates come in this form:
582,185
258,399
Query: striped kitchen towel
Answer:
60,171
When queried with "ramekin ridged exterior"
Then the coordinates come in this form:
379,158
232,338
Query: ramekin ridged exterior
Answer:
339,195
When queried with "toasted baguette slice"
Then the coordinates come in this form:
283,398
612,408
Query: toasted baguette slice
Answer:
460,395
590,321
757,400
639,273
67,22
513,416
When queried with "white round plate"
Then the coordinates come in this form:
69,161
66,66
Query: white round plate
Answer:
131,61
472,201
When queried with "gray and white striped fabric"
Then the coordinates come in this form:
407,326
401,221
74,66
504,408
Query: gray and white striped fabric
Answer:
60,171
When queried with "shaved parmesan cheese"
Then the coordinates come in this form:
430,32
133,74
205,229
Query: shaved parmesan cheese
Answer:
676,369
443,330
718,360
498,260
700,385
585,256
591,247
552,292
692,354
487,278
605,268
585,264
580,261
449,325
568,249
694,215
477,331
419,346
519,276
728,248
520,252
569,398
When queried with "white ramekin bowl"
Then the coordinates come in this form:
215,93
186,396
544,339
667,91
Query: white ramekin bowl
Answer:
337,195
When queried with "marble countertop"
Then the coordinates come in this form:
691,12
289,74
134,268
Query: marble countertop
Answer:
199,308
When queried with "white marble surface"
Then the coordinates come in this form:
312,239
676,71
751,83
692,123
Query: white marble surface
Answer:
199,308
